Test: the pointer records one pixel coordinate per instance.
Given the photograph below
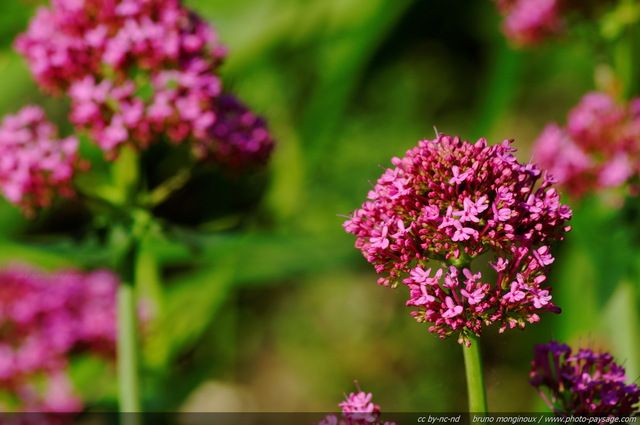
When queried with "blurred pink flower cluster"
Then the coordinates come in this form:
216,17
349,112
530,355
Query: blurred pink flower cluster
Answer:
357,409
446,203
137,71
599,147
45,318
528,22
35,166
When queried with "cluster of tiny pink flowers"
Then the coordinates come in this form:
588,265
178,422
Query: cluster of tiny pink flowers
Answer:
35,166
444,204
136,71
76,38
357,409
44,318
528,22
599,147
584,383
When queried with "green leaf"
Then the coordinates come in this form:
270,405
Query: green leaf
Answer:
93,377
614,22
264,257
190,306
125,173
148,276
11,253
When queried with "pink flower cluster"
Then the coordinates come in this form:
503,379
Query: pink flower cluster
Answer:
528,22
443,205
35,165
137,71
584,383
44,318
357,409
599,148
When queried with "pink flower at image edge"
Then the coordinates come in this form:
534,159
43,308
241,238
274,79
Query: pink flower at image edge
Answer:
44,318
597,150
36,166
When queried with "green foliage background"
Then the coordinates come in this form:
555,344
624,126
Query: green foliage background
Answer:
261,301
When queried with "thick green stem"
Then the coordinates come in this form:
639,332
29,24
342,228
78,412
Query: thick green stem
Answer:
125,241
129,392
475,378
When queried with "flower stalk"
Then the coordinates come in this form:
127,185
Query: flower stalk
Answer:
126,237
128,382
127,338
475,377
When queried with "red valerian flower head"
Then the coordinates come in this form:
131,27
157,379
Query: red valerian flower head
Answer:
531,22
35,165
599,147
528,22
446,203
357,409
140,71
44,318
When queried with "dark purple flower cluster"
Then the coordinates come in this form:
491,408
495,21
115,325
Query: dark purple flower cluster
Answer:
238,139
35,166
444,204
584,383
139,70
598,149
45,317
357,409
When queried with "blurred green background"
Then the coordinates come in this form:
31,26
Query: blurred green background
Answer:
263,303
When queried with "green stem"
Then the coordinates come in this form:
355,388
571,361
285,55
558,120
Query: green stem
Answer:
475,378
125,244
129,393
165,189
